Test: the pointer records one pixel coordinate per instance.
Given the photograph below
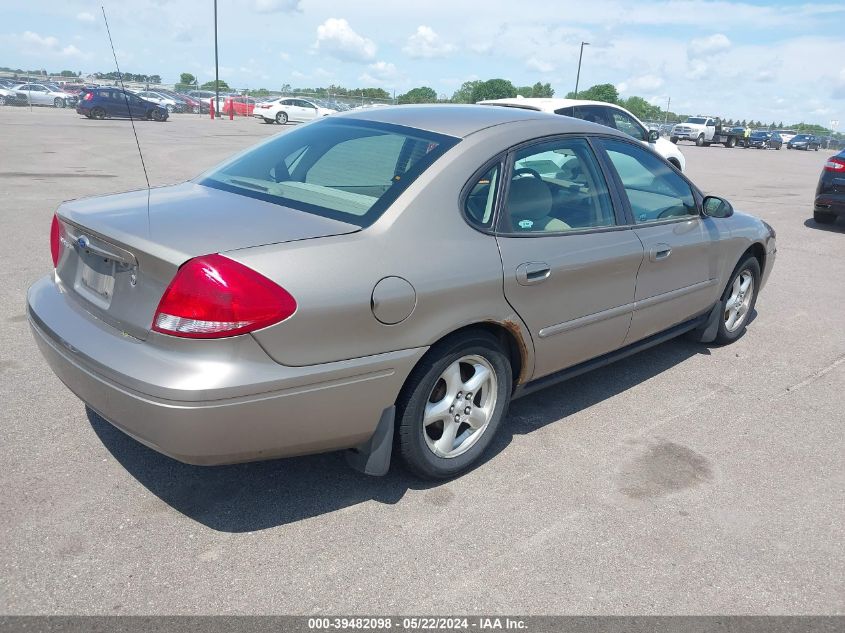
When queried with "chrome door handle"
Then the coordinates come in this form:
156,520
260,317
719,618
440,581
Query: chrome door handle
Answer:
532,273
660,252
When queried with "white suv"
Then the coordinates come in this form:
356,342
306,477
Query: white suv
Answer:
607,114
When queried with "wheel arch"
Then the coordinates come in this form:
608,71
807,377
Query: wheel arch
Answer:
758,252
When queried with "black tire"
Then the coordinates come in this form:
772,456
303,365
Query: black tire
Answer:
674,139
281,118
749,263
2,100
731,142
700,140
98,113
159,116
824,218
410,441
58,103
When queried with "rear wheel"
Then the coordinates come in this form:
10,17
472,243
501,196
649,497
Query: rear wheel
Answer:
824,218
730,142
738,300
700,140
98,113
452,405
282,118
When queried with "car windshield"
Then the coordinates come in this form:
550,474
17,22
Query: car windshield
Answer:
802,137
697,119
760,134
345,170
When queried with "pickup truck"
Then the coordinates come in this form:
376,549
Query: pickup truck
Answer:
703,131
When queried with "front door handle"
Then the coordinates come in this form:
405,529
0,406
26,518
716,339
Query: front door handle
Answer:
660,252
532,273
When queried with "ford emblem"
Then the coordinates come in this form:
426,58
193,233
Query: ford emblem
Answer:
83,242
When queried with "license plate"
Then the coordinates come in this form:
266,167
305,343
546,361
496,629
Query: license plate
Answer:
97,284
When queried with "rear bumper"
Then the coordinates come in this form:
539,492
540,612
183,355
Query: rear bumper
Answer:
830,203
218,402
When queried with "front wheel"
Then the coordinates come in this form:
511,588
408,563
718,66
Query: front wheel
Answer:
58,103
158,115
282,118
700,140
738,300
452,405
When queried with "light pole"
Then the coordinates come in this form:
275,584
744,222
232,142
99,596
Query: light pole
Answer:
578,76
216,72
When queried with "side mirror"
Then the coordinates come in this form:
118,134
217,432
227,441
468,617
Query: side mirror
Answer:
716,207
653,135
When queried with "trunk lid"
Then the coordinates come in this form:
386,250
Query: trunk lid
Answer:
117,258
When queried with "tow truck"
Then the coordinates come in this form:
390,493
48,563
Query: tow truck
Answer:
703,131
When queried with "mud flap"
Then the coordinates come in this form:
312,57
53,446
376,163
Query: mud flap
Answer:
707,331
373,456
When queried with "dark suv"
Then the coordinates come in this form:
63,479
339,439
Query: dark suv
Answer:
99,103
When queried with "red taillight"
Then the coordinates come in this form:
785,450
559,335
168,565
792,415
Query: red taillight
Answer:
213,296
834,163
55,241
88,96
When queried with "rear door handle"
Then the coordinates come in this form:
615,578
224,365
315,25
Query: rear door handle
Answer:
532,273
660,252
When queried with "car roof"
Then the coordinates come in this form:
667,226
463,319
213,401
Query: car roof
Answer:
546,104
463,120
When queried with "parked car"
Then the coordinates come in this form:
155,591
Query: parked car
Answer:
171,104
608,114
189,104
99,103
242,106
804,141
830,192
765,140
290,109
287,301
42,94
785,135
10,96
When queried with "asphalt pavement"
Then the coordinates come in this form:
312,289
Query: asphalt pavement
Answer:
685,480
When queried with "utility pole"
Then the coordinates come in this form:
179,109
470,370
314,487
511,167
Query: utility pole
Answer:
216,71
578,76
668,103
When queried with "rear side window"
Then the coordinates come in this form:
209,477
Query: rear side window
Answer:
345,170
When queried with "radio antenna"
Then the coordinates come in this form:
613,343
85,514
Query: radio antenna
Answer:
128,109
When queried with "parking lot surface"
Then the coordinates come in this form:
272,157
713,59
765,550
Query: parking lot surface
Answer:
684,480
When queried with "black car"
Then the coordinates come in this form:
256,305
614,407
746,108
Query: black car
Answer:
99,103
765,140
830,194
805,142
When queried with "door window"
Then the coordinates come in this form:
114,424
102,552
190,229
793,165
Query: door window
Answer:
627,125
481,200
556,186
594,114
654,190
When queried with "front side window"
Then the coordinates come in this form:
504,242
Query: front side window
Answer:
654,190
345,170
556,186
627,125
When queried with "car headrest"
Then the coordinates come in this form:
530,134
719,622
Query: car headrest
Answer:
528,199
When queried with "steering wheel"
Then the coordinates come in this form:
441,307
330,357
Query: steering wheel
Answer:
526,170
670,212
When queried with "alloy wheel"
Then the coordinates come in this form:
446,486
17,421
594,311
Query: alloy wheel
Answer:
739,301
460,406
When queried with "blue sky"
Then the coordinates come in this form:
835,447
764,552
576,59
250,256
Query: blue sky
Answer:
776,60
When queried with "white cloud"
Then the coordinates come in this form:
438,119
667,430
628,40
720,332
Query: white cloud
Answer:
285,57
336,38
644,83
539,65
34,44
384,70
425,43
704,46
276,6
85,17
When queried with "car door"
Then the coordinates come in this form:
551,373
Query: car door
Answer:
679,273
569,262
137,106
308,110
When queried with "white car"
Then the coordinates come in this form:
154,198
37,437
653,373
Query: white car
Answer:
786,135
289,109
607,114
43,94
169,103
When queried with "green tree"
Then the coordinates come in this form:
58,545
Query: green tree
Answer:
67,73
464,93
423,94
600,92
209,85
187,78
641,108
493,89
542,90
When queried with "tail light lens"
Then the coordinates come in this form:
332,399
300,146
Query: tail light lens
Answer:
88,96
55,241
835,163
213,297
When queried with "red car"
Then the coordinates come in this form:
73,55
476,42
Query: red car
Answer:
243,106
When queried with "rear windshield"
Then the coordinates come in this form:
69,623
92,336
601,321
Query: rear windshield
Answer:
698,120
345,170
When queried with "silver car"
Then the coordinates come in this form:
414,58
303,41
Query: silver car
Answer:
46,94
385,279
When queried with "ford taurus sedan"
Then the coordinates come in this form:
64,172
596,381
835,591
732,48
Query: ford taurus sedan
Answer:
386,280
